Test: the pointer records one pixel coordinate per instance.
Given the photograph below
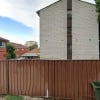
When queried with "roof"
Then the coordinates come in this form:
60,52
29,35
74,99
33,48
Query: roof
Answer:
86,2
59,1
34,51
16,45
47,6
3,39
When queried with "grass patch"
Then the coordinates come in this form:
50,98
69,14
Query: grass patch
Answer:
13,97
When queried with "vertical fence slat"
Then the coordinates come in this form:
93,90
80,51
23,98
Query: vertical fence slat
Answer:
38,82
30,80
42,78
3,77
46,78
20,74
15,78
51,78
34,78
76,78
55,80
63,79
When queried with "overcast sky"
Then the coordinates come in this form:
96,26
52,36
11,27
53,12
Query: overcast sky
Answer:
23,11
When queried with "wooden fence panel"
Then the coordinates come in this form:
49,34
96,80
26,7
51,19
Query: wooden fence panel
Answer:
3,77
73,78
32,78
61,78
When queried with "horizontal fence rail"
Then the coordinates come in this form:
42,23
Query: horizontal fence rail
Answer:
63,79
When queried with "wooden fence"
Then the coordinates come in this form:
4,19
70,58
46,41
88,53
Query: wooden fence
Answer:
65,79
31,77
3,77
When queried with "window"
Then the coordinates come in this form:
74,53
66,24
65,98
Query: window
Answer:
69,51
3,44
69,14
69,47
0,44
69,30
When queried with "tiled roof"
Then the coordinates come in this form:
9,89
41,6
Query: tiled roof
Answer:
16,45
34,51
3,39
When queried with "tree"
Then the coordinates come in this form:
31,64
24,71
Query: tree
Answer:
10,51
33,46
98,11
98,8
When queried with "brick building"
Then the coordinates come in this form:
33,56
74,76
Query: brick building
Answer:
19,49
3,48
69,30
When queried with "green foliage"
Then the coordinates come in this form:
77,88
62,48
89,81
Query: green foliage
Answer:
13,98
98,8
33,46
10,51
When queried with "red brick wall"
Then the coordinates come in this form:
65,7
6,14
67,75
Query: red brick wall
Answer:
3,53
18,52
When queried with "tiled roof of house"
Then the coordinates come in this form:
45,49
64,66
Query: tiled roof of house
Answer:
16,45
3,39
34,51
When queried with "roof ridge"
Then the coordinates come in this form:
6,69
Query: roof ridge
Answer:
47,6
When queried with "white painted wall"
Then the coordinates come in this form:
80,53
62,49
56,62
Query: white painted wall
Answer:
53,31
85,43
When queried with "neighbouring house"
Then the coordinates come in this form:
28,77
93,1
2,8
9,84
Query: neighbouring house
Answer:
33,54
3,51
19,49
69,30
30,43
